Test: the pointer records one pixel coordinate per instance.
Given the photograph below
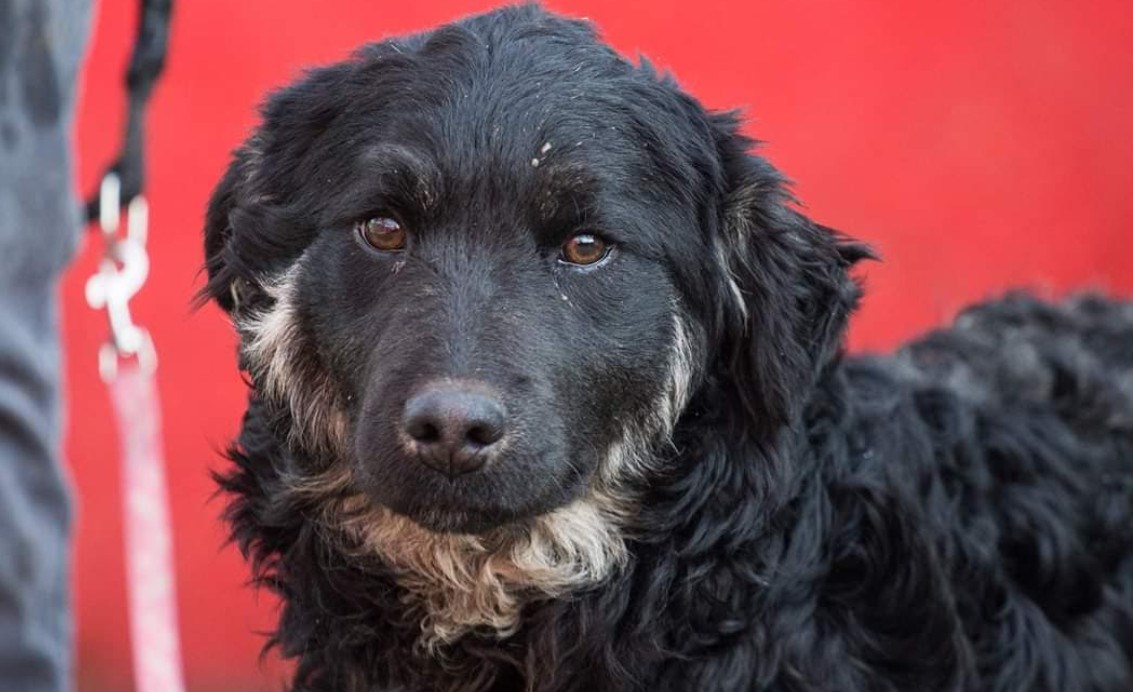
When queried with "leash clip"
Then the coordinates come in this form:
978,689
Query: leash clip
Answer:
121,274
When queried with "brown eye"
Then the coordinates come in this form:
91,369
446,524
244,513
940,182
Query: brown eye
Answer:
382,233
584,249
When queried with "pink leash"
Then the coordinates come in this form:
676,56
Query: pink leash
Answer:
149,544
127,362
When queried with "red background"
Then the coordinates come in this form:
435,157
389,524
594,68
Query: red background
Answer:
978,144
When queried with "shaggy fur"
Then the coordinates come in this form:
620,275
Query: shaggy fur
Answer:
696,489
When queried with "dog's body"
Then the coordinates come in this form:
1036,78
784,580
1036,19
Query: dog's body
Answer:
665,475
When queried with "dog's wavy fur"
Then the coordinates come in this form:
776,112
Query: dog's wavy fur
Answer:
779,516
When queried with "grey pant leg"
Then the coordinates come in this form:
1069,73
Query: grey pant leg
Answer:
41,45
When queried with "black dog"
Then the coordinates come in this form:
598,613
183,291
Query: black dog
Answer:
547,394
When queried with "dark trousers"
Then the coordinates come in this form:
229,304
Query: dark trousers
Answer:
42,43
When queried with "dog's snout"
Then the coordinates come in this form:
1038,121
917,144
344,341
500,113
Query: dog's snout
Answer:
454,428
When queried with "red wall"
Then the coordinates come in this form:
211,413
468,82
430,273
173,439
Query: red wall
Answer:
978,144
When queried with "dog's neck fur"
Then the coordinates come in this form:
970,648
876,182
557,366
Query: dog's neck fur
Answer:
461,583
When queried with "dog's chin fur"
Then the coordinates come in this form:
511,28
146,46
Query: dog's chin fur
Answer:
474,581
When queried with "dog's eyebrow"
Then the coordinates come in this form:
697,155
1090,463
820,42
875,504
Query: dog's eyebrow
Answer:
564,191
391,171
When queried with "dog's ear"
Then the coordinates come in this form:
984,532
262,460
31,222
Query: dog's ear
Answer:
787,287
224,284
253,224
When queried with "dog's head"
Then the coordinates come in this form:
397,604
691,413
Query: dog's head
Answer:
482,272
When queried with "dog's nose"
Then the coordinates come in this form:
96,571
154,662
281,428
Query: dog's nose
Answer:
453,427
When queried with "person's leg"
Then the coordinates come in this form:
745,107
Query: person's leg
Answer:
41,46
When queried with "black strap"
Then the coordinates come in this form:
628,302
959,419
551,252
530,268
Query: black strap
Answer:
145,67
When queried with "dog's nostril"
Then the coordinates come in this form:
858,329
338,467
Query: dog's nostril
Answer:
454,426
483,435
423,431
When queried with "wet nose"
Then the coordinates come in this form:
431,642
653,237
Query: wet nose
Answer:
454,428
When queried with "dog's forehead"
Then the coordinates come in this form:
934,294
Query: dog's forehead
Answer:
523,124
520,87
550,117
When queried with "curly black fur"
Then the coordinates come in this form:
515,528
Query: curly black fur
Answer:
957,516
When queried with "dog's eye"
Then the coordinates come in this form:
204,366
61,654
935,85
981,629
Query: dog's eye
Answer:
382,233
584,249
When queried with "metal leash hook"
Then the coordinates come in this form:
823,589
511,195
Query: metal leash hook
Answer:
121,274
